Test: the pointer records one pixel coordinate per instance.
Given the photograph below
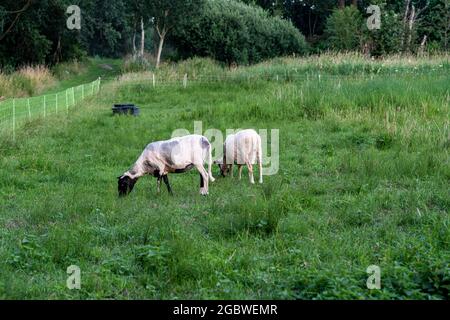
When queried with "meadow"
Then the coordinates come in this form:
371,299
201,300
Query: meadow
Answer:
364,179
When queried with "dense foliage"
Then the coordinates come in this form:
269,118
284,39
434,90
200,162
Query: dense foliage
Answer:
241,31
431,19
233,32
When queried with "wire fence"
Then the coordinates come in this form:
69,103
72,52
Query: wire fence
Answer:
156,80
13,112
16,111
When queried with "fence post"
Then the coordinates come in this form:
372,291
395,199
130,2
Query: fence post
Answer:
14,119
154,80
67,99
29,108
45,106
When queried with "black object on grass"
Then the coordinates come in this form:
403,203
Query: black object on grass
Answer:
126,109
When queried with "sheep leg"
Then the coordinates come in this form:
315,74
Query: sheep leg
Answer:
240,170
260,171
204,175
158,184
231,170
166,181
202,182
250,172
259,158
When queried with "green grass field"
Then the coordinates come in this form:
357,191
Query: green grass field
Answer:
364,180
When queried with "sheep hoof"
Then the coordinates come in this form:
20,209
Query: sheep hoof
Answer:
203,192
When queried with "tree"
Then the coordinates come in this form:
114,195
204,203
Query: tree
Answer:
106,27
17,13
412,14
436,25
387,39
139,16
233,32
169,13
274,7
344,29
309,16
39,30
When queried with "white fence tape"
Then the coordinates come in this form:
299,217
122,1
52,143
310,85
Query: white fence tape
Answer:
16,110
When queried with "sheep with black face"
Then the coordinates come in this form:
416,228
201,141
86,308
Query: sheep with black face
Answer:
176,155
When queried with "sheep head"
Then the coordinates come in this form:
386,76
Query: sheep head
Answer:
125,185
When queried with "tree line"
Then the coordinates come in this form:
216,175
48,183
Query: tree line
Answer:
232,31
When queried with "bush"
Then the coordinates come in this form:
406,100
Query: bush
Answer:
388,38
344,29
27,81
137,63
65,70
233,32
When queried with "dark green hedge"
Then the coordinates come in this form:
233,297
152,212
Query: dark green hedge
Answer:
233,32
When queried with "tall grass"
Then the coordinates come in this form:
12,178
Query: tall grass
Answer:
328,65
70,69
27,81
364,179
33,80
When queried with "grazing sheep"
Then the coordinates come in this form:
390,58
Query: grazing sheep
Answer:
176,155
242,148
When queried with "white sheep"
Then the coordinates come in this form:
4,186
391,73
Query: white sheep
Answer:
176,155
242,148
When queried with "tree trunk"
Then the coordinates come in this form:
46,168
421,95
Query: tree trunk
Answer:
141,53
160,47
410,27
422,45
405,19
447,28
355,3
57,54
134,43
18,13
341,4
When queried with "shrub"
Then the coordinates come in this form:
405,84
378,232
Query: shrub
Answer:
66,69
137,63
233,32
388,38
26,81
343,29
